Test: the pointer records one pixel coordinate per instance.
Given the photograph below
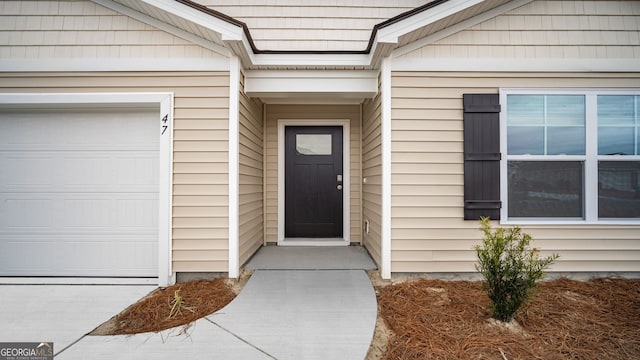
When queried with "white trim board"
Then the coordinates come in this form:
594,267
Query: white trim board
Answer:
516,64
306,86
115,64
234,158
346,174
164,103
385,242
390,34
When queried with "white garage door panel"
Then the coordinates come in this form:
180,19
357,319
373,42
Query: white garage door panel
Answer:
64,171
79,193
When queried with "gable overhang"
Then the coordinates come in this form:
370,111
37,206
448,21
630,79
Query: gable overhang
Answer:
311,86
230,37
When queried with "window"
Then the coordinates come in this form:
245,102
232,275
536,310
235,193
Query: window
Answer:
313,144
571,155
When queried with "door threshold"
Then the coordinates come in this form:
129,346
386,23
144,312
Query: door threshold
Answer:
313,242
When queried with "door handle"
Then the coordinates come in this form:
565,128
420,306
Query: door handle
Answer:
339,187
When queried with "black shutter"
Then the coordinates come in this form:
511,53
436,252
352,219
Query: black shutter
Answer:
481,156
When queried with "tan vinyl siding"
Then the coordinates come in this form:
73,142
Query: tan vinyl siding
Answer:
200,191
251,232
83,29
372,172
311,25
549,29
428,232
303,112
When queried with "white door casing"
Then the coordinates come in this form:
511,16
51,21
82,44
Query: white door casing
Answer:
346,202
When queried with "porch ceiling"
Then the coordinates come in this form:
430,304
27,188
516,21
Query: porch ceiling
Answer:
227,36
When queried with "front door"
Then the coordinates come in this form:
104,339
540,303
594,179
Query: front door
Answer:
313,182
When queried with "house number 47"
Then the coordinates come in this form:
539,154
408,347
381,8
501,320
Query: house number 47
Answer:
164,125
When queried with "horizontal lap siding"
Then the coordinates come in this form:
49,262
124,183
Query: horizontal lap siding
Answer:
83,29
546,30
200,174
304,112
372,172
428,232
251,176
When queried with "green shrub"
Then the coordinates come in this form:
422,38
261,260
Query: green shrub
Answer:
510,268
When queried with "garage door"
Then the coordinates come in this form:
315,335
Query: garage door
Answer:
79,192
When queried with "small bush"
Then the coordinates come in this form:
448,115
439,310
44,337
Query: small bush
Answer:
510,268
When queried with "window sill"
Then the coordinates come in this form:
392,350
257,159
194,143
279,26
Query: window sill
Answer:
547,221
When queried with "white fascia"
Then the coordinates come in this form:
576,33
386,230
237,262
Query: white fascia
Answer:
227,30
295,83
328,60
391,33
207,44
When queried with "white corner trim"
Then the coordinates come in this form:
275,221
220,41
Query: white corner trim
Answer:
346,174
117,7
234,158
390,34
385,93
115,64
166,276
459,27
164,101
516,64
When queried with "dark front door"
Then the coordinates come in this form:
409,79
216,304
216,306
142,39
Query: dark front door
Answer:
313,181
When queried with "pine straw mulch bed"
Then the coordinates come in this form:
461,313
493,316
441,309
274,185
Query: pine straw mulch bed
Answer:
154,312
567,319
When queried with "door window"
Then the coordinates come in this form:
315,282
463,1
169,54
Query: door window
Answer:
313,144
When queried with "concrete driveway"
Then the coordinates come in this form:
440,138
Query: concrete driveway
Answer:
61,314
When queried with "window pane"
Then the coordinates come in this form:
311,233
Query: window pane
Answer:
618,189
560,121
525,109
564,140
565,110
615,140
523,140
615,110
545,189
313,144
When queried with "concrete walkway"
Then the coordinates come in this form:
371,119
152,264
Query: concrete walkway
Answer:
61,314
311,258
280,314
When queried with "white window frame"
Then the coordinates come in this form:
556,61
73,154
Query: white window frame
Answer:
590,158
